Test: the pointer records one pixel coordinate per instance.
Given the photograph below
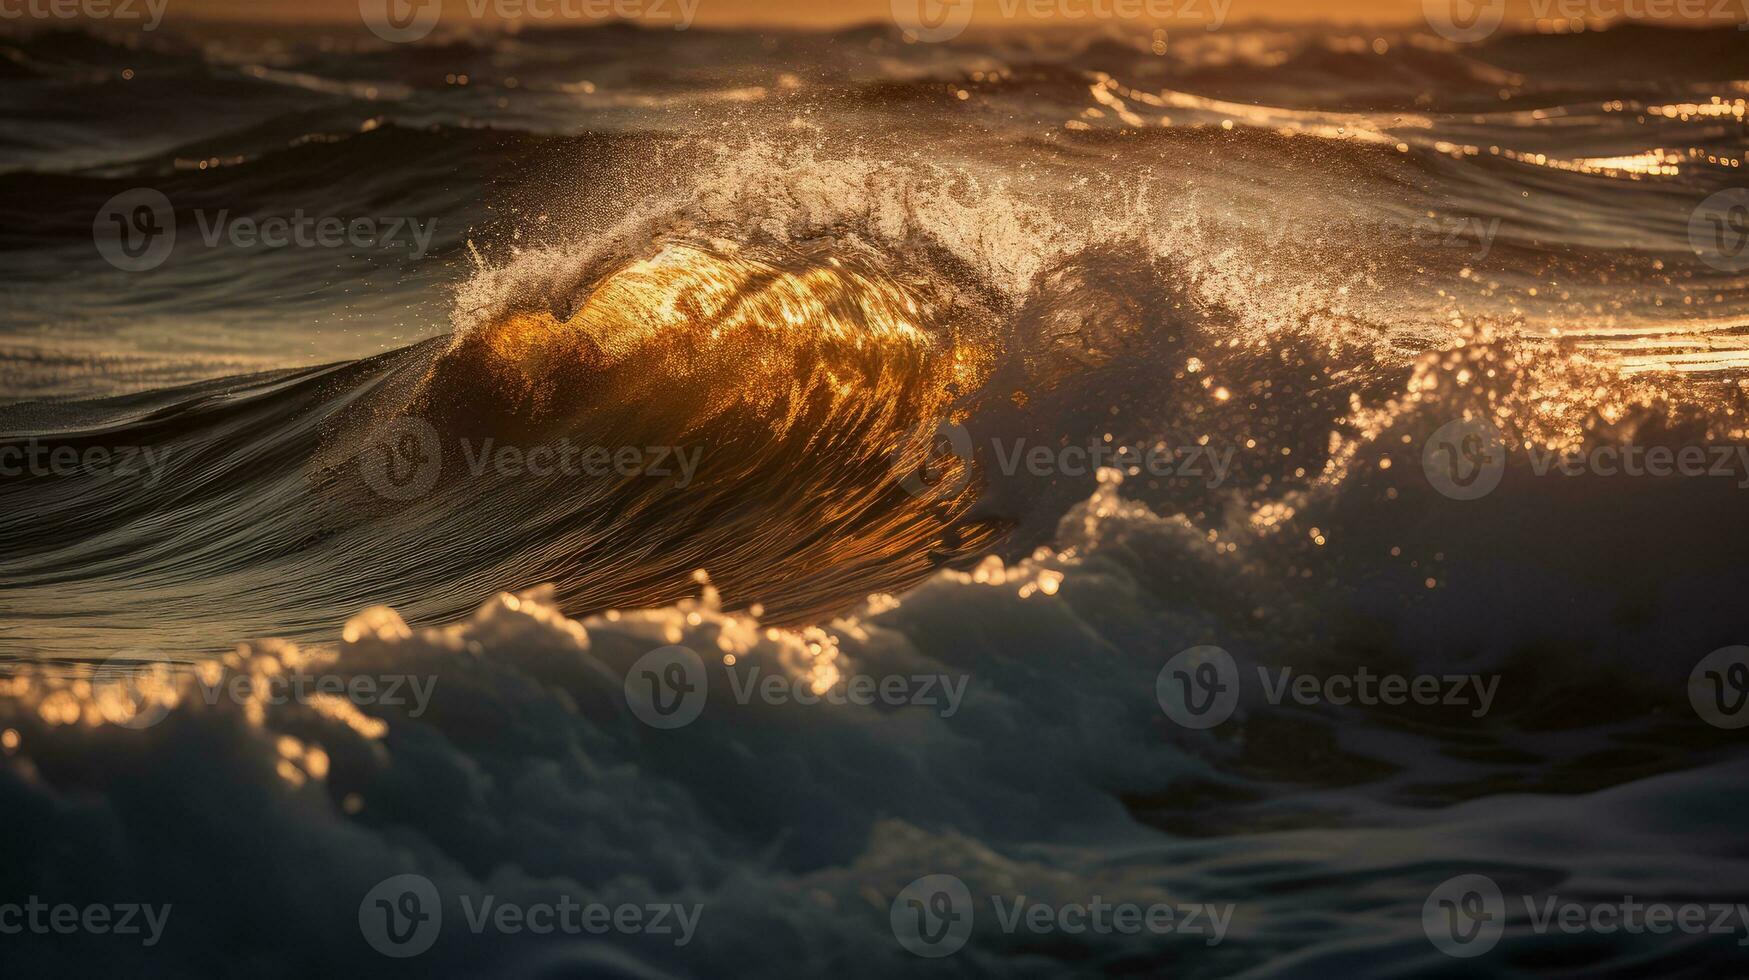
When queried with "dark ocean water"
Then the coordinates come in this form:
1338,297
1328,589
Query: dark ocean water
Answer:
813,355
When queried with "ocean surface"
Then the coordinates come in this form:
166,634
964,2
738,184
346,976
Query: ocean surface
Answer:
817,299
